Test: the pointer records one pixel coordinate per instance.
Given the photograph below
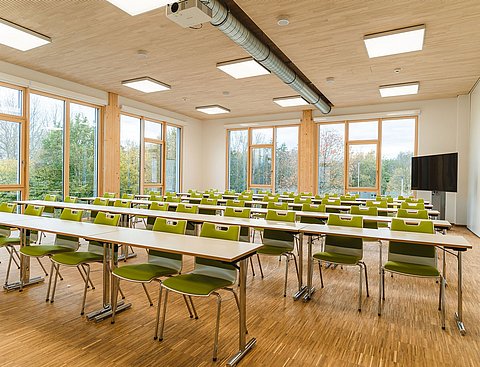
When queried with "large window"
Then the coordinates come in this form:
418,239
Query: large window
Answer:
367,157
173,158
129,154
263,158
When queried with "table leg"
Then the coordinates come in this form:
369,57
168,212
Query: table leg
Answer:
380,283
310,289
459,313
244,346
301,288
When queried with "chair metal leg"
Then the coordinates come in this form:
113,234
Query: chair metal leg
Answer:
121,292
217,327
10,251
296,267
17,263
164,311
193,308
383,284
286,275
159,304
125,253
360,288
49,283
188,306
321,275
439,281
41,265
85,290
115,288
148,295
366,278
56,268
251,263
260,265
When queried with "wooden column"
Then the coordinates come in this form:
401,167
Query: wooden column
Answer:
110,174
307,153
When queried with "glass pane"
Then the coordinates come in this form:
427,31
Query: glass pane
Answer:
9,196
9,153
286,159
155,190
262,136
331,158
153,130
398,145
362,165
11,101
83,150
365,194
261,166
129,154
172,163
153,163
47,120
237,160
363,130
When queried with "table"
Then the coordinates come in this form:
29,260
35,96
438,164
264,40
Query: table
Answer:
455,243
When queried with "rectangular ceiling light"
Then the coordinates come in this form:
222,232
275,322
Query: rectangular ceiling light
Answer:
135,7
21,38
213,109
397,41
291,101
398,89
243,68
146,85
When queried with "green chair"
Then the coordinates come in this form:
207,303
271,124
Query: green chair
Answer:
208,201
377,203
302,200
229,192
82,259
347,198
318,208
264,192
245,197
99,202
70,199
412,213
207,278
156,197
128,196
414,200
235,203
412,205
119,203
343,250
240,213
170,193
49,211
159,264
10,242
171,199
61,244
163,207
110,195
277,205
306,193
400,197
279,243
215,196
366,210
269,199
190,209
329,201
411,259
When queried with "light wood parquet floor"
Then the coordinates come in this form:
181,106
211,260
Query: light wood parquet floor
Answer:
327,331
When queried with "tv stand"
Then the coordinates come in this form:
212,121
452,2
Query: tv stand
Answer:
438,202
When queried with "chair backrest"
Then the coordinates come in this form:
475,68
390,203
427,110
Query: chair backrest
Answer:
284,216
171,199
208,201
347,198
171,193
364,210
110,195
73,215
411,252
277,205
342,244
278,238
8,207
377,204
186,208
412,213
155,205
302,200
167,259
400,197
306,193
215,268
196,195
235,203
245,197
191,190
240,213
100,201
157,197
122,203
215,196
34,210
414,200
331,201
269,198
107,219
309,207
264,192
229,192
70,199
128,196
409,205
50,197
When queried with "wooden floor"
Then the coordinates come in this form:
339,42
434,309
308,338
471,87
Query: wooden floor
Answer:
328,331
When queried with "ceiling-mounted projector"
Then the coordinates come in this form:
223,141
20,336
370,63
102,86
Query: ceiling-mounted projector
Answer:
189,13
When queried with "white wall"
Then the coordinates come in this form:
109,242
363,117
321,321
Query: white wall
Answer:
442,128
473,211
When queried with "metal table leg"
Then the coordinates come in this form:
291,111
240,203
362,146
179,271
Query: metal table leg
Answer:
380,283
459,313
244,346
301,288
310,289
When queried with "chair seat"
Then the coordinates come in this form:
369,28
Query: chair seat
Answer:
273,250
412,269
143,272
44,250
76,258
195,284
4,241
336,258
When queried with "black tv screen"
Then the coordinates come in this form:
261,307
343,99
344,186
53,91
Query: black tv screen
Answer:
435,172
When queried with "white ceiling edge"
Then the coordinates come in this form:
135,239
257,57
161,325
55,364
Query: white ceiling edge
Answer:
287,118
364,116
35,80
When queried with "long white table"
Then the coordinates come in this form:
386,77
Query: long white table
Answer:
222,250
455,243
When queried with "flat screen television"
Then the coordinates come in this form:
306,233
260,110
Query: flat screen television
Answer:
435,172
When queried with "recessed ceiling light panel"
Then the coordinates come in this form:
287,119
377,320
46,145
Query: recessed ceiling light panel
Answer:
21,38
212,110
395,42
146,85
398,89
291,101
135,7
243,68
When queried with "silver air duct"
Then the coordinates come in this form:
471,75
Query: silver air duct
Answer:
238,33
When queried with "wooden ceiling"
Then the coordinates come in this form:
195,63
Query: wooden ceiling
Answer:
95,44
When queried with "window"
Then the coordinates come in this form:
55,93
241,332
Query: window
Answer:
83,150
9,152
375,158
129,154
47,121
153,157
268,160
11,101
172,171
